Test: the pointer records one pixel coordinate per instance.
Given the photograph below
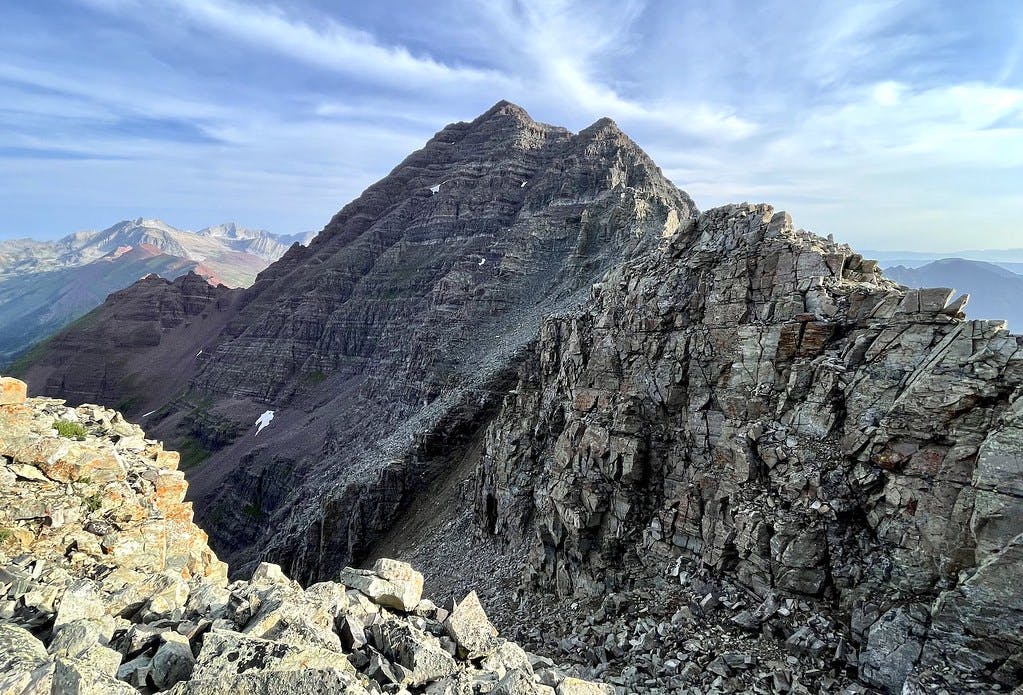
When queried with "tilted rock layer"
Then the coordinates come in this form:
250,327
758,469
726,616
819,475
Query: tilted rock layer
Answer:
107,587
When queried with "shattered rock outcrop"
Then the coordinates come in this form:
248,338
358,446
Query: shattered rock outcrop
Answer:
762,402
106,586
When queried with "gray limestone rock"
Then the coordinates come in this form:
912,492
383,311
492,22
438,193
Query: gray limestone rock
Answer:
172,662
390,583
469,627
418,652
310,681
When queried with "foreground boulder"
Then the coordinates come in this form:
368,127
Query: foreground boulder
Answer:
108,587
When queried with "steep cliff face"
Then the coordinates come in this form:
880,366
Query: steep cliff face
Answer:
409,308
763,402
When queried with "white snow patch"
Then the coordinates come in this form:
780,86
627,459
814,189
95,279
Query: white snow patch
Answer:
149,413
523,184
199,353
482,261
263,420
435,189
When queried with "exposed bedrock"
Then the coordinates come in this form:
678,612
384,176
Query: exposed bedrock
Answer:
762,401
398,328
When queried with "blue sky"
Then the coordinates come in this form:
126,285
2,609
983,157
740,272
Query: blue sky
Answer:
889,125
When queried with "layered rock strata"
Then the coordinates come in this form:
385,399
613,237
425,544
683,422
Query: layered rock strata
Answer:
386,343
761,402
107,587
716,436
138,348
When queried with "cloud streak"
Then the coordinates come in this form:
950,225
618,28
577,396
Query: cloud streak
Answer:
858,118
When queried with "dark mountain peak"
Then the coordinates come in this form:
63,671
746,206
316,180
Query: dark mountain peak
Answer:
505,108
606,130
603,125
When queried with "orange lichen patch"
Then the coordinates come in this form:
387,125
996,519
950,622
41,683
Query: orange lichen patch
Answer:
168,459
97,466
15,420
123,509
12,391
16,539
178,512
144,546
170,489
49,452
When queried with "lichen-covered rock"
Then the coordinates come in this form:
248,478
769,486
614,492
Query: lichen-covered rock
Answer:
390,583
128,597
468,625
574,686
172,662
309,681
12,391
24,664
106,500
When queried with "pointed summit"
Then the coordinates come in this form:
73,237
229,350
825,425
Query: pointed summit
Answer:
505,108
603,128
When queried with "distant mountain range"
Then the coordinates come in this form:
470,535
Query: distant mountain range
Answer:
995,292
1010,259
45,285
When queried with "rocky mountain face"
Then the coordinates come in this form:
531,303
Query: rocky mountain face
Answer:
994,290
34,306
106,586
763,403
688,452
151,326
404,316
44,286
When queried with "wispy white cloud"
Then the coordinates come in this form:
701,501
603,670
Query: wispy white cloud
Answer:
568,48
860,118
331,45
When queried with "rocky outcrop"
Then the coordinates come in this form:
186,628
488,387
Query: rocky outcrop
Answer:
83,489
730,454
106,586
762,402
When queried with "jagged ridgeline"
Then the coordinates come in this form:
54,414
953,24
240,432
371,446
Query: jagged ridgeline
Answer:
747,459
